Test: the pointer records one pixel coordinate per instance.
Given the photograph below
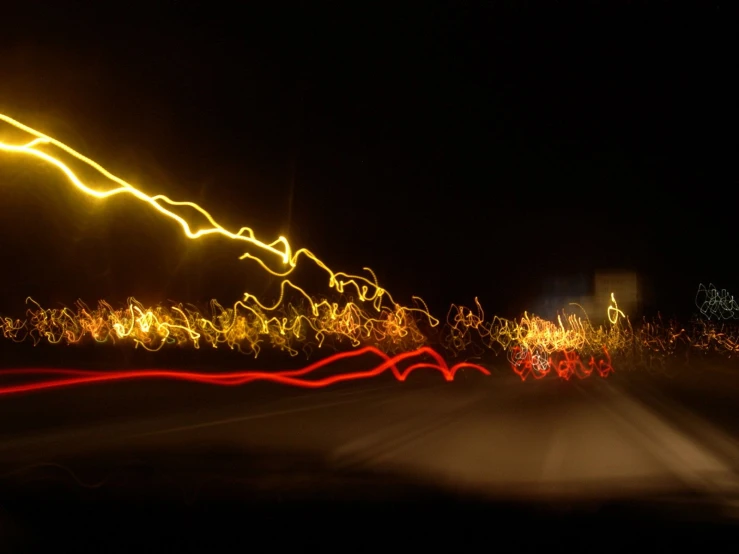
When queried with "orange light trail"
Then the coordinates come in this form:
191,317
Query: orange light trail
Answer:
535,335
296,378
244,327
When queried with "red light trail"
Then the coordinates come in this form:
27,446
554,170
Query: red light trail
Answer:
566,364
57,378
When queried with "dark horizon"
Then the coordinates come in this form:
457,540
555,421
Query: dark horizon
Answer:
459,152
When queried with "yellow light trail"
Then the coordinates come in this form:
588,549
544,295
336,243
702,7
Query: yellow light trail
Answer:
367,290
241,327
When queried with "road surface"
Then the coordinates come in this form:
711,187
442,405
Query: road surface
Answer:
628,436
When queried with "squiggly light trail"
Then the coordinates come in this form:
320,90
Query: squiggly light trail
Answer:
566,364
716,304
246,329
56,378
535,346
241,327
367,290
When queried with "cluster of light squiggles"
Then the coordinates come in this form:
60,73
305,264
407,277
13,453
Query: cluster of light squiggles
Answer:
715,304
356,318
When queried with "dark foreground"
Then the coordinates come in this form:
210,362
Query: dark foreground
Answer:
161,466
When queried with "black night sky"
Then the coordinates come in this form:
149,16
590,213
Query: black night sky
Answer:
459,151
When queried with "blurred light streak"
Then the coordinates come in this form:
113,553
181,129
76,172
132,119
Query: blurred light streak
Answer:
297,378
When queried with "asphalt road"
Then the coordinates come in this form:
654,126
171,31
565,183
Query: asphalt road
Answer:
670,440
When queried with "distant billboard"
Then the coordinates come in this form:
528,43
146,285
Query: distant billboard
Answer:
591,294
